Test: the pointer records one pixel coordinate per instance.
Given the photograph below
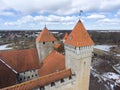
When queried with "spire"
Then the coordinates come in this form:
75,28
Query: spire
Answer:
45,36
79,36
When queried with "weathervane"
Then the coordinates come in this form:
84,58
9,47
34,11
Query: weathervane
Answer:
80,13
45,25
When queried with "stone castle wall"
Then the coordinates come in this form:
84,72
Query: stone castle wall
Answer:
79,60
28,75
57,84
44,49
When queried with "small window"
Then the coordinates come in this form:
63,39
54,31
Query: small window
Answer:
42,88
70,37
62,80
32,76
20,79
28,77
53,42
35,74
70,77
52,84
43,42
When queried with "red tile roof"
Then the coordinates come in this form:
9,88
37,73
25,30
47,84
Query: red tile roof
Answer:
21,60
56,46
45,36
79,36
52,63
7,76
66,36
41,81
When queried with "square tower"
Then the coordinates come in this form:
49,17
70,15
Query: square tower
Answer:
45,44
78,53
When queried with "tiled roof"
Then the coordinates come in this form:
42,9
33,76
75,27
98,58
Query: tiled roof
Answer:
66,36
52,63
7,76
21,60
45,36
56,46
79,36
41,81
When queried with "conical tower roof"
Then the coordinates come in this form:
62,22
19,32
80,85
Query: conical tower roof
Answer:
79,36
45,36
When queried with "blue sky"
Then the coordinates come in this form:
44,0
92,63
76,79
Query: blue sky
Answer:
59,14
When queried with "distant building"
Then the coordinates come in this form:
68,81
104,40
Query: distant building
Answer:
44,68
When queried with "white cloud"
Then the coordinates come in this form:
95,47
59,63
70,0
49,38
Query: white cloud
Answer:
118,13
96,16
61,7
109,23
53,19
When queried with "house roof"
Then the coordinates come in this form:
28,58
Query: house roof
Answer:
21,60
56,46
79,36
45,36
66,36
52,63
41,81
6,75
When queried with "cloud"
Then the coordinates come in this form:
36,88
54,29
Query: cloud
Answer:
2,13
118,13
60,7
96,16
109,23
53,19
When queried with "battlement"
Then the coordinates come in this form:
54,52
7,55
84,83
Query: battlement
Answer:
81,52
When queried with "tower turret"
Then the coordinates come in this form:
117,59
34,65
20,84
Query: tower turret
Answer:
78,53
45,43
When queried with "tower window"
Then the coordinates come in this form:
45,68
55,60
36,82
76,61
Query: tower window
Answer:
62,80
53,42
70,37
20,79
43,42
70,77
42,88
52,84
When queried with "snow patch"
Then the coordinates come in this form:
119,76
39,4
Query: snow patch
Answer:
111,75
4,47
103,47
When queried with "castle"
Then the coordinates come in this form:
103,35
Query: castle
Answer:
44,68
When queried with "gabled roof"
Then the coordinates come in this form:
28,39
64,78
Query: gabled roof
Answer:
66,36
79,36
54,62
45,36
21,60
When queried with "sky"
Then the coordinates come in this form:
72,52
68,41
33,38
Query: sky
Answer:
59,14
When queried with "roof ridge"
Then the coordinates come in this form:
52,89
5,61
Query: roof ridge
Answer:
9,66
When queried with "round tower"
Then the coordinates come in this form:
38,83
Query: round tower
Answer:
45,43
78,53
